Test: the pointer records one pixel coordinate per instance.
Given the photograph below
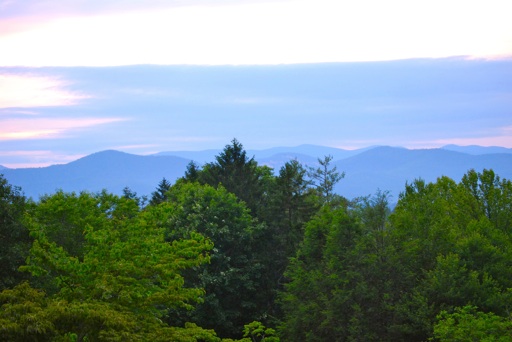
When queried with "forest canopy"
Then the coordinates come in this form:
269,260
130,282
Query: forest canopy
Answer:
237,251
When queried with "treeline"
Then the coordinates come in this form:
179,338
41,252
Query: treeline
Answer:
236,251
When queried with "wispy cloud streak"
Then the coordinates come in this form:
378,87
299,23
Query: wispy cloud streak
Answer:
47,128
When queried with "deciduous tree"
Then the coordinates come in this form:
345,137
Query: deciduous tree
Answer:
233,279
14,235
124,279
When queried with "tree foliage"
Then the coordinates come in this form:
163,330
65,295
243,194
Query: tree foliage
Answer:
14,234
257,332
325,178
324,299
360,275
238,174
160,194
232,279
469,324
294,203
232,248
120,284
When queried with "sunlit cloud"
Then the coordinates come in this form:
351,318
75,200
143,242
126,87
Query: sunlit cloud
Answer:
46,128
39,134
268,32
35,91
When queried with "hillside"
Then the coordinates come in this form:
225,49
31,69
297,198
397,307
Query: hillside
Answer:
111,170
477,150
384,168
389,168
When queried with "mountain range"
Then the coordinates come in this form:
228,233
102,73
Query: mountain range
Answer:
366,170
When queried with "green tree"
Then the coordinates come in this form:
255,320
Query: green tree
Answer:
24,315
121,285
27,314
63,217
192,172
294,203
317,301
233,278
14,234
492,195
451,251
257,332
240,175
160,195
284,203
132,195
469,324
361,275
325,178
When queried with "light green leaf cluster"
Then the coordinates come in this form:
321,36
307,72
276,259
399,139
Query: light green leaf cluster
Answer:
469,324
118,287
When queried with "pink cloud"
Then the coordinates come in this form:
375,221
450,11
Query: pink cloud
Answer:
45,128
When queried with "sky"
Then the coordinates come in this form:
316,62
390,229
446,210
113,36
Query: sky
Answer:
77,77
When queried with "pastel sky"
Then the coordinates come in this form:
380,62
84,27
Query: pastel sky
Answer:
347,74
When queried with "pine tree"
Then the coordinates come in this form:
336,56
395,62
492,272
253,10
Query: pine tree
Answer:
160,195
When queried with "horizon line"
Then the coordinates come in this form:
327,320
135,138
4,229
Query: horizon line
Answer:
19,166
483,58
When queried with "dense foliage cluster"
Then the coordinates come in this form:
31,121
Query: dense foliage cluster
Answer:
234,248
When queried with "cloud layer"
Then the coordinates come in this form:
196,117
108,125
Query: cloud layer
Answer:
111,33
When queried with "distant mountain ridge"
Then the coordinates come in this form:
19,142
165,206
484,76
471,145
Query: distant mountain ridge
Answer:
385,168
477,150
389,168
111,170
309,150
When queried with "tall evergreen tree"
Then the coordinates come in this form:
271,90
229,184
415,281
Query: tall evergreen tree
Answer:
160,195
293,203
192,172
325,177
240,175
